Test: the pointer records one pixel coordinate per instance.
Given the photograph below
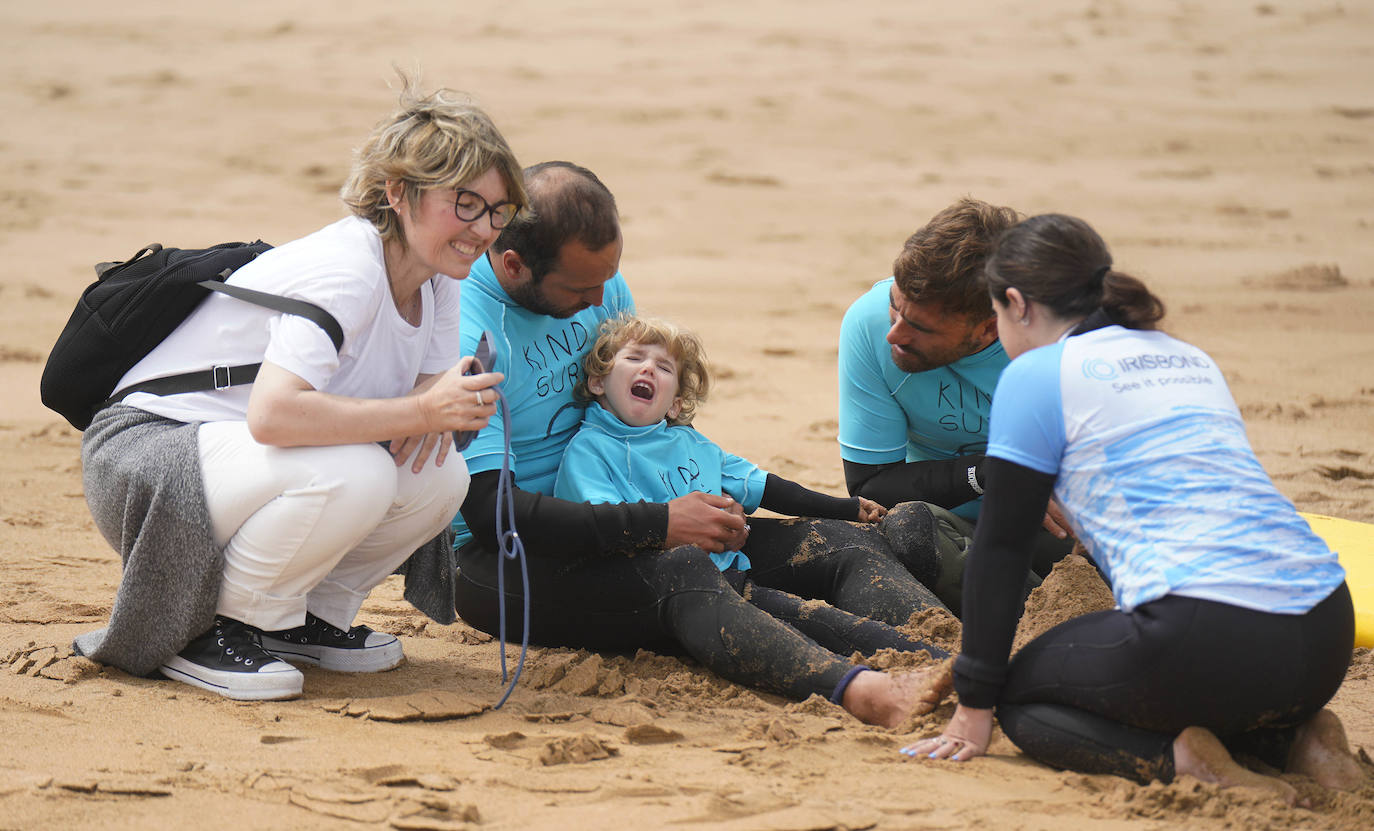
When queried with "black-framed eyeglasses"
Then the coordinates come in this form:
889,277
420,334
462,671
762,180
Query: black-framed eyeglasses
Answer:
469,206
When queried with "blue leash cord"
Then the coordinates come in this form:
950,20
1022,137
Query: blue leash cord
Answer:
509,547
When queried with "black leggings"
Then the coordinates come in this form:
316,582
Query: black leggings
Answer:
852,566
834,629
1109,692
680,599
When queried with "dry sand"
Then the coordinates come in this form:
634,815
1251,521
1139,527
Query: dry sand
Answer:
768,162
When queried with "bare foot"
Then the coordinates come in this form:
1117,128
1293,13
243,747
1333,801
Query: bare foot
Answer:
1321,752
1200,754
888,699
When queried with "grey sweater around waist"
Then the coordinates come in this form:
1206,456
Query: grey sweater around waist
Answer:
143,484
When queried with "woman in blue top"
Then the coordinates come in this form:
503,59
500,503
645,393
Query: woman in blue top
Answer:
644,380
1233,625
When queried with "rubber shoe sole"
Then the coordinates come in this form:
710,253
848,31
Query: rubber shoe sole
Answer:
275,681
379,653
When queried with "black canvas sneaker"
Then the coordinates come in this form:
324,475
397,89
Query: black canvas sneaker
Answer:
360,649
227,659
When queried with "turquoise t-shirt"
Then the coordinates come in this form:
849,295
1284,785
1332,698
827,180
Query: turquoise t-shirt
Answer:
887,415
541,357
610,461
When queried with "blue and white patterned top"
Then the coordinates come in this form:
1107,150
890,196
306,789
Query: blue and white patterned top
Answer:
1156,473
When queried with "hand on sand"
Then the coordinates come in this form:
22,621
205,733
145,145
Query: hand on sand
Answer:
967,735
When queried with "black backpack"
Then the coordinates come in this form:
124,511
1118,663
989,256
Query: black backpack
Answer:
132,306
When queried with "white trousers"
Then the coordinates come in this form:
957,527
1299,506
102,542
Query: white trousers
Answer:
315,528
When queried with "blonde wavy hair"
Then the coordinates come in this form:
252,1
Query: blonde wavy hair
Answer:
435,141
693,371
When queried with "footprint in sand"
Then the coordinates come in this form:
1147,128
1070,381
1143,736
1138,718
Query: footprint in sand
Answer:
356,806
53,662
1185,174
1340,472
576,750
1306,277
20,210
424,705
628,713
19,355
505,741
827,428
743,179
651,734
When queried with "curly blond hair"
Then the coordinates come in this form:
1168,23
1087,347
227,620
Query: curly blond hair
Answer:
434,141
693,371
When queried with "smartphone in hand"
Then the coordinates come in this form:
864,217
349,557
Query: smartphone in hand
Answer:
484,359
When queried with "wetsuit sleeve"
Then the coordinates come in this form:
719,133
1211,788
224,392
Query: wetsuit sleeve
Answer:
947,483
553,527
787,497
995,575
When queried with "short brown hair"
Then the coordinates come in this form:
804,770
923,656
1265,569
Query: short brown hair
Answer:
434,141
942,263
693,372
567,202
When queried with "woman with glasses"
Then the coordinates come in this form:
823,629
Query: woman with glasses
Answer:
253,520
1233,625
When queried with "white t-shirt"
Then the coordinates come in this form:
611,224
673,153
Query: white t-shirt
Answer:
340,268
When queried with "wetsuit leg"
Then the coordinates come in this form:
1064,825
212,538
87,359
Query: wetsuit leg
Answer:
1108,692
676,596
1046,550
953,535
849,565
905,527
590,603
1068,738
835,629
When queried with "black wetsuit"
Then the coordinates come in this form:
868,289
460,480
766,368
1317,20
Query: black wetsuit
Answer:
1109,692
599,580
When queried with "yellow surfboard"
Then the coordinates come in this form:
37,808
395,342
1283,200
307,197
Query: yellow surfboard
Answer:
1353,542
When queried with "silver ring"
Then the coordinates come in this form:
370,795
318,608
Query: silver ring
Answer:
480,402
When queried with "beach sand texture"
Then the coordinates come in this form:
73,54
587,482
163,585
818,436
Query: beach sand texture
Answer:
769,159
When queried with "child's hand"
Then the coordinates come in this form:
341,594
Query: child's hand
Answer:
870,511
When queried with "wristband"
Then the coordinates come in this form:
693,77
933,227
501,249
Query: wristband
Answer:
973,480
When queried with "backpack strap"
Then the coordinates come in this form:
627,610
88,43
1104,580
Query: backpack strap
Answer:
219,377
287,305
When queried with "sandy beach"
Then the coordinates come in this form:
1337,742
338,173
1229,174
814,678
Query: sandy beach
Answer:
768,162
